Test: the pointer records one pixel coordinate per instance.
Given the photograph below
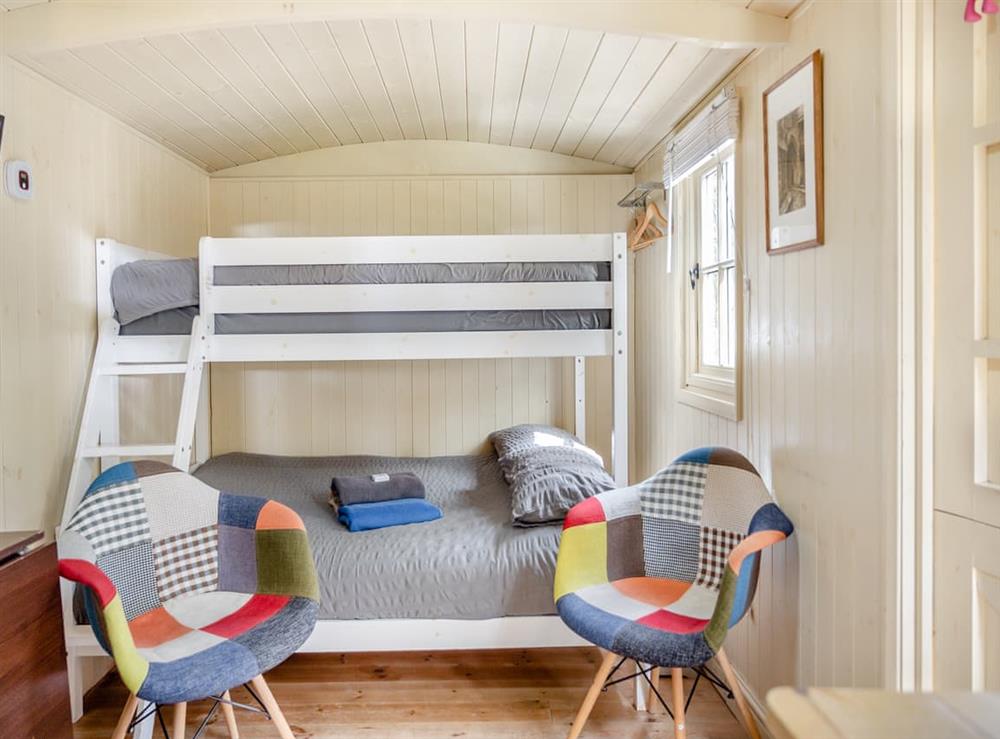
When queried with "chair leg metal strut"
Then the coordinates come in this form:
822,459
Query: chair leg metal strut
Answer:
603,680
266,706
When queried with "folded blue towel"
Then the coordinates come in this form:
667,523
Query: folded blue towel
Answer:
367,516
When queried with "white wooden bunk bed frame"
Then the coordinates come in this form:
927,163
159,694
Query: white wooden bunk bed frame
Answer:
118,356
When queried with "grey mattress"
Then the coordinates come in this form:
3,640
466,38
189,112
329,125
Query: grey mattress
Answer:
470,564
178,321
161,297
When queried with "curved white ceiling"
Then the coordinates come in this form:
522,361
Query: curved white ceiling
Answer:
224,97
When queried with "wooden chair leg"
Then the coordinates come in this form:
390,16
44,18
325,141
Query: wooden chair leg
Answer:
677,684
741,702
591,698
651,701
180,719
230,716
267,698
126,718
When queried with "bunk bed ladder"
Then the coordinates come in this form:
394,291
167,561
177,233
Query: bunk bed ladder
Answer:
98,440
197,354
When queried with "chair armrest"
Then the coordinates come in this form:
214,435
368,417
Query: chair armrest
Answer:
284,559
131,665
739,580
583,549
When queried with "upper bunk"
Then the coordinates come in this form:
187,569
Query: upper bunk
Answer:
379,297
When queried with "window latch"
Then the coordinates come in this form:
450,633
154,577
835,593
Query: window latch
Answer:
694,273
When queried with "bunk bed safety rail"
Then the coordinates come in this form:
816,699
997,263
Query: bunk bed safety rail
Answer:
229,299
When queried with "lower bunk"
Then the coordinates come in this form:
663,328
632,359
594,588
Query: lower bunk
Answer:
470,580
472,563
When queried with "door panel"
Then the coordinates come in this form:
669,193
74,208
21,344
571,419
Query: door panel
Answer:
967,598
967,351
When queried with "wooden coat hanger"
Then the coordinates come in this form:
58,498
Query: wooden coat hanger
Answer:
647,227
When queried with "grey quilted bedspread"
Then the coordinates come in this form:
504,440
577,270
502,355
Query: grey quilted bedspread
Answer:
470,564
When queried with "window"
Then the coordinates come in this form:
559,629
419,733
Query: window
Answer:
708,238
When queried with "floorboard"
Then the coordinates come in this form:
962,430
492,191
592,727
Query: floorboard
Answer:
528,694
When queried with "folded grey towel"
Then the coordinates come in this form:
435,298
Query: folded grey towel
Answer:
348,490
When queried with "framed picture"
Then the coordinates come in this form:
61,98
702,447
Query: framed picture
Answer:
793,158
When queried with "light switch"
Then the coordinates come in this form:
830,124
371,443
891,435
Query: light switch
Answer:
18,180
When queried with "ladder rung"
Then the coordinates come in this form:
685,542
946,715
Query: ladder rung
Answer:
130,450
161,368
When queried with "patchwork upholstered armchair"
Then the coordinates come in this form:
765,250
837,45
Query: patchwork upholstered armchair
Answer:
191,591
660,571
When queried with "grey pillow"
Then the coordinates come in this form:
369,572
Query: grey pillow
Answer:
548,471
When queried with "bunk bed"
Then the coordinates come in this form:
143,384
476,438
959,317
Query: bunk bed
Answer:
367,298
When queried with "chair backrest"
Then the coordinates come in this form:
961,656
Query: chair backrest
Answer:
705,507
158,533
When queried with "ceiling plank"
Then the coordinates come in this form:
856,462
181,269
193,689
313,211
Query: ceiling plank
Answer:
217,51
262,62
69,70
480,71
353,44
206,142
325,54
547,48
647,59
143,56
611,58
288,48
448,37
422,66
387,48
683,60
512,61
62,25
186,59
577,59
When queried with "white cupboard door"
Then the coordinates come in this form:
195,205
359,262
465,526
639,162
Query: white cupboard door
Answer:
967,351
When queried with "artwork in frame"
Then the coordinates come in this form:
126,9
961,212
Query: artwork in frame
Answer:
793,158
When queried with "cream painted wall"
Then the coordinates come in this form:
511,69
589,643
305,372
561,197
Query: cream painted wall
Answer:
94,177
405,408
817,374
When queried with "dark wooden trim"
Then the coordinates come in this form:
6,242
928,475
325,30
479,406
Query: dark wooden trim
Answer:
15,542
816,59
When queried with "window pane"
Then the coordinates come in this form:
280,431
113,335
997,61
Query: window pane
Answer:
728,252
723,318
728,313
710,217
709,328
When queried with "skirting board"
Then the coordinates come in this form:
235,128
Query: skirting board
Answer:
398,635
758,709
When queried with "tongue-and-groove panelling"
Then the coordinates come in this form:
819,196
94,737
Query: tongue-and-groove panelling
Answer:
818,390
405,408
93,177
230,96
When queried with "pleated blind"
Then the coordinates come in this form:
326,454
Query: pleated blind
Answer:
716,125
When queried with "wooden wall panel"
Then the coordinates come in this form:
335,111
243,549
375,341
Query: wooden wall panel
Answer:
817,375
94,177
405,408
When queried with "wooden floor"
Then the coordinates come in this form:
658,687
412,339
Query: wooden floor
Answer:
527,694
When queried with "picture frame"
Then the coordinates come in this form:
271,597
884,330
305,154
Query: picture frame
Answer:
793,158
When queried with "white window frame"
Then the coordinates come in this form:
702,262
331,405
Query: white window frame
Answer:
709,388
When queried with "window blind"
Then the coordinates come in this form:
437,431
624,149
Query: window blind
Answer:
717,124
